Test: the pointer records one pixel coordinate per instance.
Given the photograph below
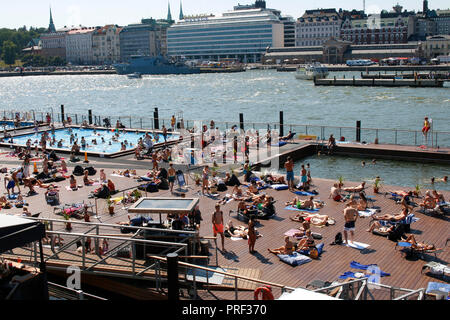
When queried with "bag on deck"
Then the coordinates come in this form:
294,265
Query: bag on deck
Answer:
337,239
78,171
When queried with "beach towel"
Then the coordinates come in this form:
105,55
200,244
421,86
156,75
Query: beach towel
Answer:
302,210
279,144
279,187
144,178
294,259
356,245
305,193
236,238
357,265
367,213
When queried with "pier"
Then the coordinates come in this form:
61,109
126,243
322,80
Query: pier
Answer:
416,83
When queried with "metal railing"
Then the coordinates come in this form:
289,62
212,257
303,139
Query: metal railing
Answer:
383,135
65,293
95,232
362,289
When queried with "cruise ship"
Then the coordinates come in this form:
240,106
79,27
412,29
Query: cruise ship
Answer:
153,65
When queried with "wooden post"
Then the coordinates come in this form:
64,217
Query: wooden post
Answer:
241,120
281,124
156,119
173,287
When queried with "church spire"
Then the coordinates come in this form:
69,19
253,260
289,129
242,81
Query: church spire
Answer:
51,26
169,15
181,11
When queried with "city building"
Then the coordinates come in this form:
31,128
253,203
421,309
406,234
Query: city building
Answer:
242,34
53,43
79,46
316,26
435,46
335,51
146,38
106,44
289,31
442,21
387,27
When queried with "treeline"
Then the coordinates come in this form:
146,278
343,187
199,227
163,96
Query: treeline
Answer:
19,37
40,61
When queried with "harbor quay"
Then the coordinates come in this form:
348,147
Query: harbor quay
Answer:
83,232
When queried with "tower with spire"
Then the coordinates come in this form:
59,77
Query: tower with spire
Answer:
169,14
181,11
51,26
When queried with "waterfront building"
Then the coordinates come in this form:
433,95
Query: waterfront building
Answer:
336,51
106,44
434,46
242,34
53,43
387,27
79,46
146,38
289,31
317,26
442,21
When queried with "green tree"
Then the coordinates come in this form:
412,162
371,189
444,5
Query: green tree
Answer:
9,53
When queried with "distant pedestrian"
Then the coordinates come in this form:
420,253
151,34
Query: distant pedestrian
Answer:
172,122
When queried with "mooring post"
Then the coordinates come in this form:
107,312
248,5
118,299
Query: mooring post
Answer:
358,131
241,120
62,113
90,116
172,277
281,124
156,119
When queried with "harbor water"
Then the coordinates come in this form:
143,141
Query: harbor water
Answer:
258,94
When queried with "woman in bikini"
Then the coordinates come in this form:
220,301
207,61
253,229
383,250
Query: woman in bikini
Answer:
205,179
288,247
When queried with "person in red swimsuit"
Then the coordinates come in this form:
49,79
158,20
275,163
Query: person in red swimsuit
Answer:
426,128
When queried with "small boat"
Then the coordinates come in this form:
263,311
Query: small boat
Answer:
135,75
311,71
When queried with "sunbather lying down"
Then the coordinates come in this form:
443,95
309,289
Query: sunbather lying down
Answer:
393,217
238,231
305,204
356,189
419,245
288,247
314,219
378,228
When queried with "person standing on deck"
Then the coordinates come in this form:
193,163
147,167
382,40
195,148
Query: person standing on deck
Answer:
217,222
303,177
350,216
251,235
164,132
289,165
426,128
172,123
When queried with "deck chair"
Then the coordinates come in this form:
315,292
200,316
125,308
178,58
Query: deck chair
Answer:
52,198
408,248
407,222
289,137
180,179
437,269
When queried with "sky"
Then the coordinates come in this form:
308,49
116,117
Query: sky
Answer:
15,14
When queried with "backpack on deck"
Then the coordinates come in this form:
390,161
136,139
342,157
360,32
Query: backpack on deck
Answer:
149,187
91,171
337,239
163,174
78,171
163,185
397,233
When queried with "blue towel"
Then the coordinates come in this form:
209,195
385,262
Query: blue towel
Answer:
305,210
304,193
357,265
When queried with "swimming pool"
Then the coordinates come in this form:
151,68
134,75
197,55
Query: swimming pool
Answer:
392,172
9,125
107,147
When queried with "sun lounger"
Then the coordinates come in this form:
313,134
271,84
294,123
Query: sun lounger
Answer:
437,269
409,250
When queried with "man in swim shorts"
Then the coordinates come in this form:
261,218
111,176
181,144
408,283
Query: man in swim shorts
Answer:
217,222
350,216
171,176
289,165
426,127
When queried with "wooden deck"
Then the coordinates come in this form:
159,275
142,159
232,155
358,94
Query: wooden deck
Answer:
334,261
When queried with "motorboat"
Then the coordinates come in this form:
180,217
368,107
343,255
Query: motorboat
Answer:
311,71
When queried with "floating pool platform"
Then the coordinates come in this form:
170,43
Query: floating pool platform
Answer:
107,149
416,83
